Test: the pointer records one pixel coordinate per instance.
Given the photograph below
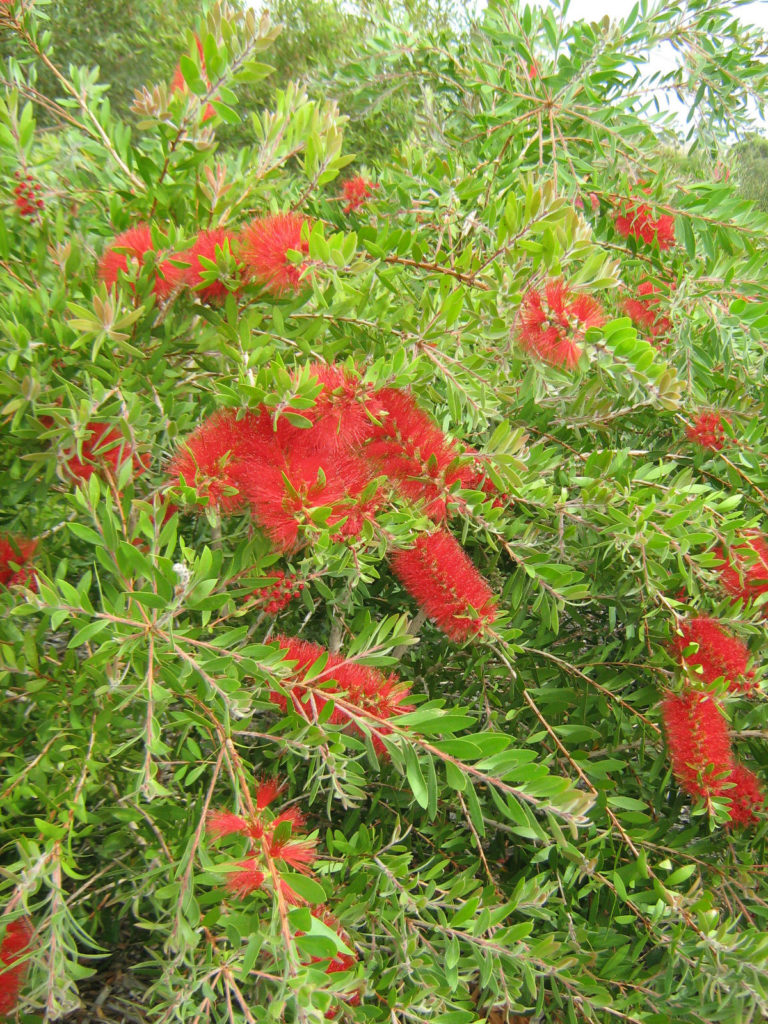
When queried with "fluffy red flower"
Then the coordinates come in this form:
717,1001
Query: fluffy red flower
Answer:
104,449
551,325
718,653
15,554
356,190
440,576
381,697
204,249
178,83
708,431
699,747
133,245
406,446
745,573
264,247
247,880
636,219
16,941
747,796
644,312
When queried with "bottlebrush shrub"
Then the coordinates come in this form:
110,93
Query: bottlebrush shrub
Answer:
716,654
15,943
497,841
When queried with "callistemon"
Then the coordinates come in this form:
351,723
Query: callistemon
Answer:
274,848
207,247
437,572
644,310
133,245
212,459
698,743
263,249
708,431
178,83
15,555
364,698
745,572
746,794
718,654
356,190
635,219
27,196
551,323
339,419
341,961
15,943
104,450
406,446
278,592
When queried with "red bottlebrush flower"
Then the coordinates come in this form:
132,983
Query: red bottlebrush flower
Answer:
104,449
745,573
264,247
267,792
178,83
708,431
247,880
644,311
636,219
407,447
16,941
380,697
298,854
289,894
204,248
699,747
747,796
718,653
356,190
133,245
551,325
293,815
214,456
15,553
440,576
225,823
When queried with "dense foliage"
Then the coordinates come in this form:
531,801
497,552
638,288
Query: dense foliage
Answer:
383,564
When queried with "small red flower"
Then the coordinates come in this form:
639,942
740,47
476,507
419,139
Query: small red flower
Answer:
745,572
264,247
635,219
27,195
247,880
698,742
356,190
747,796
440,576
178,84
267,792
718,654
279,594
205,249
644,311
708,431
15,554
16,941
551,325
104,449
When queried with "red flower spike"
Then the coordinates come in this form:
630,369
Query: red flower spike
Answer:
747,796
745,573
263,249
290,895
15,553
708,431
644,311
440,576
245,881
382,697
356,190
551,325
293,815
298,854
635,219
718,654
178,83
133,245
16,941
267,791
225,823
204,248
104,449
699,747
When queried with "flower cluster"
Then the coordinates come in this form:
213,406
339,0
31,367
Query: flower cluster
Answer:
178,84
708,431
438,573
127,254
356,190
15,555
275,596
16,942
364,692
27,195
274,850
717,654
635,219
644,311
552,323
104,449
745,570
